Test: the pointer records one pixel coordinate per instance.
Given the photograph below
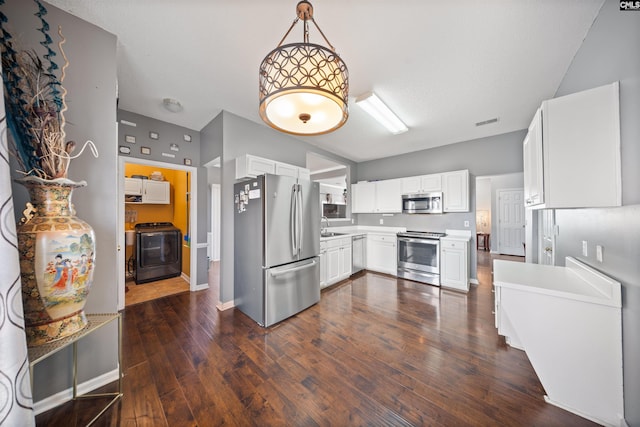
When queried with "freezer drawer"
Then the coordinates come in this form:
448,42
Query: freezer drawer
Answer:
291,288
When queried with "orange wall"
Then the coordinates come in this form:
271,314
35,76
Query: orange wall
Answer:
175,212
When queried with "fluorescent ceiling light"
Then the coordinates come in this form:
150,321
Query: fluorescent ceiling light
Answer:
370,103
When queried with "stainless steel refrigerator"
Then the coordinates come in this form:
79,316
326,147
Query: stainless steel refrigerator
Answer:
276,248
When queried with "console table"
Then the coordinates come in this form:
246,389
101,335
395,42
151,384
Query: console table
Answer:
95,321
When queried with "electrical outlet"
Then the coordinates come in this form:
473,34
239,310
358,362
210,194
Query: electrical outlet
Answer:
599,253
466,223
381,221
585,251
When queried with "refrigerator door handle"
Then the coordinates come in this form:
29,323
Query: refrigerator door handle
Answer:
301,222
292,221
275,272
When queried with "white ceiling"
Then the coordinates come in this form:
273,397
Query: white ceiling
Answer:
441,65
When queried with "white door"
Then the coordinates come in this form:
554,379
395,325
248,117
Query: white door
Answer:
547,235
511,222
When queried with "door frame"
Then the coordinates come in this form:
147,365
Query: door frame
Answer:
214,244
193,267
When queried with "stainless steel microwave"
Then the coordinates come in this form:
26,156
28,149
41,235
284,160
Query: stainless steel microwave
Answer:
422,203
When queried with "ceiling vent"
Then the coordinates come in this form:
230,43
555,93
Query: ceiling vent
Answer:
486,122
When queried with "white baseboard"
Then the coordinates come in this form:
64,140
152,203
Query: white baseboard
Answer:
474,281
225,306
185,277
202,287
67,395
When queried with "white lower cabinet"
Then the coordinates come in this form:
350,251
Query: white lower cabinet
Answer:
381,253
335,261
454,263
323,265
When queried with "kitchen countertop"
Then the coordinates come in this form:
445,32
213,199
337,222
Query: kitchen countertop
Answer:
358,230
576,281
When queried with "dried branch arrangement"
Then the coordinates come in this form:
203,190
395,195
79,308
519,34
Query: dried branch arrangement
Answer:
35,103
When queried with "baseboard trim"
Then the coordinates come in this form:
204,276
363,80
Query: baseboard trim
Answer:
225,306
66,395
201,287
185,277
474,281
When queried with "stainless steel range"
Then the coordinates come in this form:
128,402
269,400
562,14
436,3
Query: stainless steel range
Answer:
419,256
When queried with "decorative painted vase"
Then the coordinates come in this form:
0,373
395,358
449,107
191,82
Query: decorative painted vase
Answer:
57,254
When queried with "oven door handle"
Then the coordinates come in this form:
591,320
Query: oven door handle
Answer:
410,240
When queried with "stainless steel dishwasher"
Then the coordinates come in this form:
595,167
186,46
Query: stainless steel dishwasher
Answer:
358,253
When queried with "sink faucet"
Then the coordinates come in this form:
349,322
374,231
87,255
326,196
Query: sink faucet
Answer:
324,229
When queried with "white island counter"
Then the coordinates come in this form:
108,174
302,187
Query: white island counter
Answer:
569,322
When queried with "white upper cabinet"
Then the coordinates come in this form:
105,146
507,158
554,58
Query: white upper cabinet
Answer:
377,197
389,196
147,191
133,186
533,172
422,184
580,151
363,195
156,192
455,191
248,166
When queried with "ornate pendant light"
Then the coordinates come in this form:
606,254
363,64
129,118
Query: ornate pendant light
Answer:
304,87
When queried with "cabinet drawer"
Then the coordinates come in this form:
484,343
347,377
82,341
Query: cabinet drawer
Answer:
382,237
450,244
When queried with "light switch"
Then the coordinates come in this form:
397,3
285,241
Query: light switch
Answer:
381,221
466,223
599,253
585,251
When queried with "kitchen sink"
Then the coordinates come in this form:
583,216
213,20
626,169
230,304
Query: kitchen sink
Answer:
331,234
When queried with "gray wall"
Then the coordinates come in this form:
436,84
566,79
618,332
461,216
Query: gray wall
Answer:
610,53
501,154
168,134
230,136
91,86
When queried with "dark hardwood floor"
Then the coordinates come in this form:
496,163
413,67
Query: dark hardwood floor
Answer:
375,351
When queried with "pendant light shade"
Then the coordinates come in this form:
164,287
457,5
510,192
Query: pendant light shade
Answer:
304,86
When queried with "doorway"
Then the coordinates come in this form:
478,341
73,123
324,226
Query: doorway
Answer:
189,191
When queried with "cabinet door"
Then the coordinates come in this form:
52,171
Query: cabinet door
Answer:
581,149
411,185
333,265
533,163
364,197
381,253
389,196
323,267
286,170
157,192
249,166
345,261
453,265
132,186
455,191
430,183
